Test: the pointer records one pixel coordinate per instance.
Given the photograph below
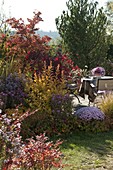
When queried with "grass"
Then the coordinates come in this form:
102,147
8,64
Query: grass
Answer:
87,151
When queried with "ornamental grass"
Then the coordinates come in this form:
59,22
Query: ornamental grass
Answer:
106,104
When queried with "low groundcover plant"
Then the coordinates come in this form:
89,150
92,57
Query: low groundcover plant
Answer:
89,113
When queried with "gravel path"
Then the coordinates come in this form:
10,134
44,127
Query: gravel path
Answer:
85,102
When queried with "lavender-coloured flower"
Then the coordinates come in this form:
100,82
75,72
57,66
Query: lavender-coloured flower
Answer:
98,70
90,113
12,90
61,103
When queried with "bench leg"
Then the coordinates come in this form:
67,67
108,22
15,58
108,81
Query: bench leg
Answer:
77,98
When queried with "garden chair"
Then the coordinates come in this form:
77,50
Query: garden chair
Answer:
73,88
88,88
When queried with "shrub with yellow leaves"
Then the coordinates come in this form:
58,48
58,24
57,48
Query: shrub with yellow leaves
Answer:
40,89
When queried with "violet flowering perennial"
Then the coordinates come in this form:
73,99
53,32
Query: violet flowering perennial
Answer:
61,103
12,90
90,113
58,100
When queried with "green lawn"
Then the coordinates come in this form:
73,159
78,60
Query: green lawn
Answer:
88,151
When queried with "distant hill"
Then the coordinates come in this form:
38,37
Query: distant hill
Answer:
52,34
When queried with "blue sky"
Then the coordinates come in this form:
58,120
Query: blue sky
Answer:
50,10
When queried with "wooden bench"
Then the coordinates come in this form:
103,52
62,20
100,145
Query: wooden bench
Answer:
95,86
104,84
87,88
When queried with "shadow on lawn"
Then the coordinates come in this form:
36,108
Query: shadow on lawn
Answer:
99,143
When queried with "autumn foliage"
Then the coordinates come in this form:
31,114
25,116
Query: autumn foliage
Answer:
25,38
31,77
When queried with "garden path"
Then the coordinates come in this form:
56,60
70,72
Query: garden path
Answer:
85,102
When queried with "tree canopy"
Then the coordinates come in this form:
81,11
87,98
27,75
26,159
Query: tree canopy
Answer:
83,31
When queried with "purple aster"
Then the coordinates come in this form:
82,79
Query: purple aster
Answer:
90,113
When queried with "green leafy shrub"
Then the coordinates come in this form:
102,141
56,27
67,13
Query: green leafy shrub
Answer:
93,125
53,117
59,121
37,124
61,107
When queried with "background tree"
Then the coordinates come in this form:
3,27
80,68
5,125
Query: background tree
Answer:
83,30
109,13
3,25
4,28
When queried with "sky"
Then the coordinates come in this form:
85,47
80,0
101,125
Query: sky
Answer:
50,10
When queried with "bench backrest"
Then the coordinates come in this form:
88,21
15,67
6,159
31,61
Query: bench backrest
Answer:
105,84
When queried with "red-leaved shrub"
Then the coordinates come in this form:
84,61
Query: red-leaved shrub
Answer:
38,153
